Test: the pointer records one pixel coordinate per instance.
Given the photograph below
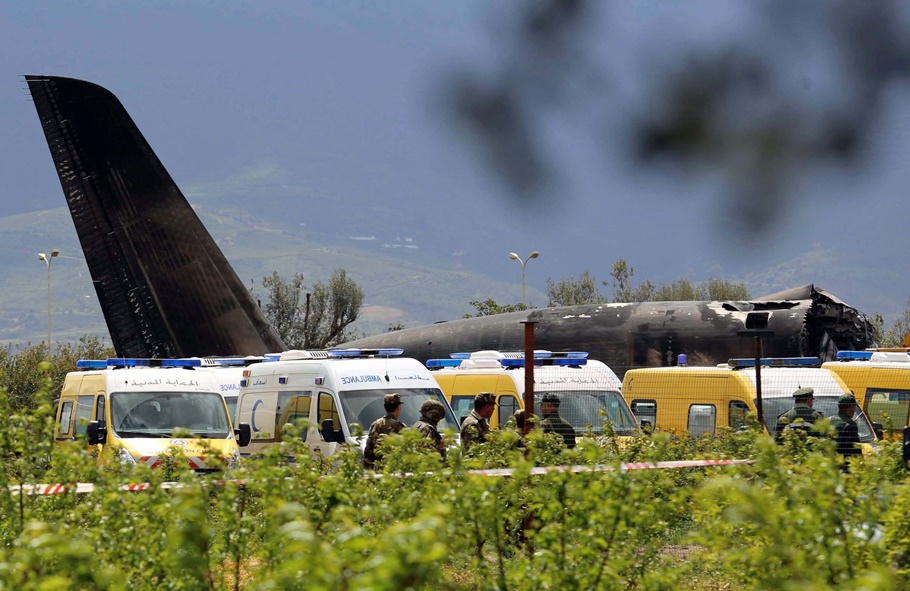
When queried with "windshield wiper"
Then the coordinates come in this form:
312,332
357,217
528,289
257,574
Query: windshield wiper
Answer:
142,434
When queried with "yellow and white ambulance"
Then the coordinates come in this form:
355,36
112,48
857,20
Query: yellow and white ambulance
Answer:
328,391
880,380
588,389
137,404
699,400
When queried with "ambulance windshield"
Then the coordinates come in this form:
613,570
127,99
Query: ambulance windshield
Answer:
592,409
157,414
365,406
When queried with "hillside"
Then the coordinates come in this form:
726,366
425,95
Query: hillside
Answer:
409,286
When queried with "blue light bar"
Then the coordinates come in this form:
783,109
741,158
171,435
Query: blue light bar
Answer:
210,361
775,362
437,363
364,352
847,355
136,362
91,364
521,355
565,362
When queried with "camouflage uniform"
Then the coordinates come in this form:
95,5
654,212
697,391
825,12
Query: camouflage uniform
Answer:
475,427
381,426
553,423
431,412
801,412
847,430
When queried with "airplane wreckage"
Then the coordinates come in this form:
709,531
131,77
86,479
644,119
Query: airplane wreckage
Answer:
166,289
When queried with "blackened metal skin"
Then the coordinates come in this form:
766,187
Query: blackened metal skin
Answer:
649,334
165,288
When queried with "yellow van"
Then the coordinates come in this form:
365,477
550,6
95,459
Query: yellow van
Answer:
588,389
136,404
880,380
700,400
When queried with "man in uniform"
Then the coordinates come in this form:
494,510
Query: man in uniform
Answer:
553,423
476,426
802,412
847,431
431,412
382,426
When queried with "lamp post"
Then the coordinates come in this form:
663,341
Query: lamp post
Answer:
47,259
534,254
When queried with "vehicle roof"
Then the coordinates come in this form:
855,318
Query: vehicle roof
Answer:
777,382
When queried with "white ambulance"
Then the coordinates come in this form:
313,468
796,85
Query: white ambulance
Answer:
330,391
136,404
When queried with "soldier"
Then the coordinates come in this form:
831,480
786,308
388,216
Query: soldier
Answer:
847,431
475,427
431,412
803,412
553,423
382,426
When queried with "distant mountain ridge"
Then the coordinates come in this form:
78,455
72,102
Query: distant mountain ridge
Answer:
401,285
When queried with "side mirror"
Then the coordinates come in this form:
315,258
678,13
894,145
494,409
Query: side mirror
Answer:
879,430
244,434
906,448
97,433
330,434
646,427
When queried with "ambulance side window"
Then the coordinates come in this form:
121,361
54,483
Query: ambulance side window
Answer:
100,415
462,407
508,406
702,418
645,411
293,408
66,413
738,411
84,407
328,410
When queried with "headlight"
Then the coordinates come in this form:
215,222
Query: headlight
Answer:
127,457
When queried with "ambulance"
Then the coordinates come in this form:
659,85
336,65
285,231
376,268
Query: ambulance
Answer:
589,390
700,400
328,392
880,380
136,404
228,371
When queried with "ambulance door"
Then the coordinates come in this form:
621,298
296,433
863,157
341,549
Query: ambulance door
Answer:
66,407
326,408
465,389
65,414
508,401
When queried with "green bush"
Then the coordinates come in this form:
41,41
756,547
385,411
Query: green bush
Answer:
796,518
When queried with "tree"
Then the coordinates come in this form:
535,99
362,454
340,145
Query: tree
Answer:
894,335
622,273
283,308
490,307
332,308
569,292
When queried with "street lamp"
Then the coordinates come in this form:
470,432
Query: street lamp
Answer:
534,254
47,259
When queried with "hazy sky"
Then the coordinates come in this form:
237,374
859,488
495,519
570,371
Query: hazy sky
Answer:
347,98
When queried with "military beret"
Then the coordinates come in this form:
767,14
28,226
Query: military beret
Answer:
804,393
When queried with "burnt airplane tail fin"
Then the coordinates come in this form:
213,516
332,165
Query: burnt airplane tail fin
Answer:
165,288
